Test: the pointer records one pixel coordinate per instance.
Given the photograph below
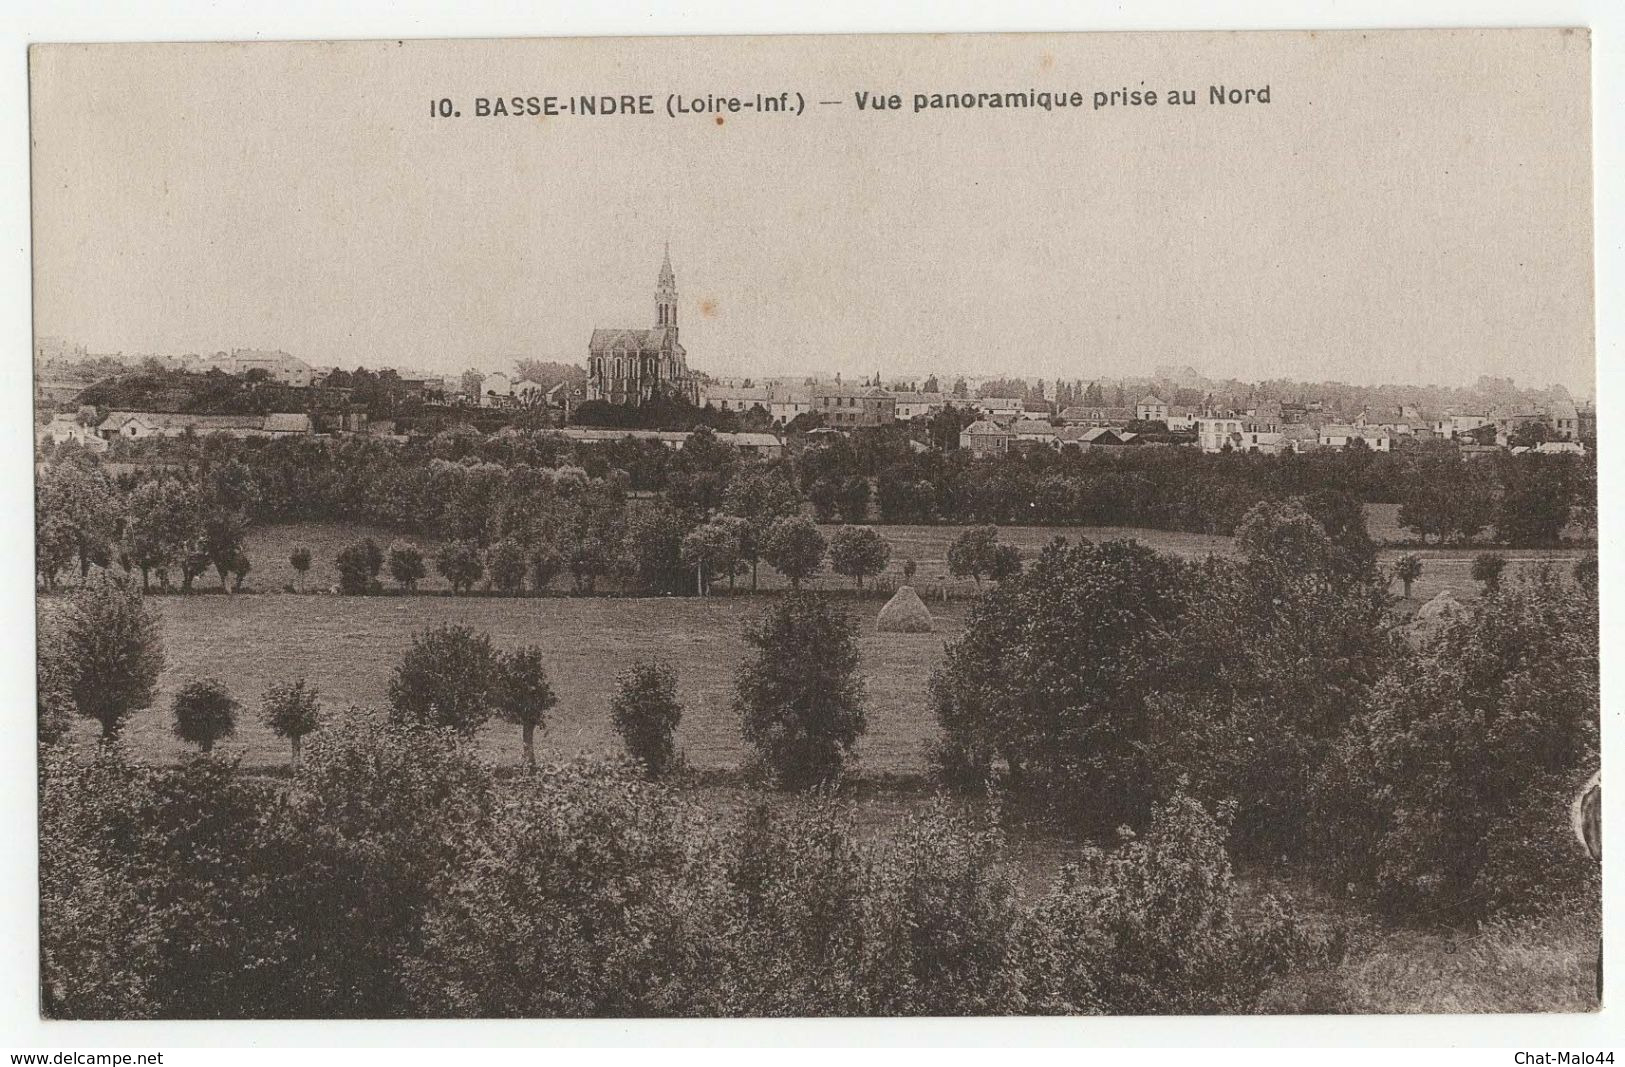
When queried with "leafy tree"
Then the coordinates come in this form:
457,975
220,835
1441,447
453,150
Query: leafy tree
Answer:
1072,721
1487,568
359,565
545,565
506,563
114,642
204,713
523,695
972,553
714,549
795,549
239,568
223,532
1535,501
654,549
445,680
1407,569
825,497
299,560
646,712
798,694
75,509
406,565
54,672
858,552
291,710
1449,795
1005,564
852,499
910,568
1342,516
761,496
459,563
160,520
1284,534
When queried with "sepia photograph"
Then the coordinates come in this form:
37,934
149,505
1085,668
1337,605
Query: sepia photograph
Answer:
958,525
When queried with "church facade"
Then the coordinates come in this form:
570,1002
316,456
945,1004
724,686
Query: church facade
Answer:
634,366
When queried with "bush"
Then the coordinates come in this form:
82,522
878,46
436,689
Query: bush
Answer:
1153,927
523,695
1487,568
646,712
291,710
406,565
1071,722
445,680
1448,796
459,563
507,564
299,560
359,565
576,908
204,713
798,694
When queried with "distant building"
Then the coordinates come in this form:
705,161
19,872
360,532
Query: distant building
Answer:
985,437
1214,434
278,365
911,405
1151,409
1088,415
1000,407
845,408
634,366
142,425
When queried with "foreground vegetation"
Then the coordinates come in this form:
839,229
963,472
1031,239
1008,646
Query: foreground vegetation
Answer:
1161,714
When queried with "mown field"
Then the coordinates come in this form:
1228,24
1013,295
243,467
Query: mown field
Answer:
348,646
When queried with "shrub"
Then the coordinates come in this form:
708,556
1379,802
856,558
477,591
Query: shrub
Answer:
576,907
358,566
506,563
445,680
459,563
406,565
1071,722
1447,796
646,711
1153,928
291,710
1283,534
798,694
1487,568
523,695
299,560
204,713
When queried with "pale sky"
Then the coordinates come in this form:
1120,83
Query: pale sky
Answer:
1409,207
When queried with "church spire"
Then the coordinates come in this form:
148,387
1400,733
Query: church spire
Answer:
666,293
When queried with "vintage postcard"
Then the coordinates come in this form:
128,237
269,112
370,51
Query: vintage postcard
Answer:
1063,524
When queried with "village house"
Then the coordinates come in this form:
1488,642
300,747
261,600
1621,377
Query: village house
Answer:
984,437
1035,431
912,405
1086,415
1214,434
846,408
1000,408
1151,408
1342,435
143,425
72,426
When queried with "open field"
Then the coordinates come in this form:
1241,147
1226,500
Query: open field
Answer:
349,645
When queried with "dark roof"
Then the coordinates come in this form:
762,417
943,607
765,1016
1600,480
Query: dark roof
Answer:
641,342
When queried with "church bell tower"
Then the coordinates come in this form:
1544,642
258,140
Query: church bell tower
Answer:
666,294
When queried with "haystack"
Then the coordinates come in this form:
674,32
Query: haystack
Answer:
905,613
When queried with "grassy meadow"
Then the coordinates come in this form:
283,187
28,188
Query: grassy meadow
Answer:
348,646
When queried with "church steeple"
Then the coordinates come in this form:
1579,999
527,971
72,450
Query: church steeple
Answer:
666,293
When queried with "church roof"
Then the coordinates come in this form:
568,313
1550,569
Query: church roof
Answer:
641,342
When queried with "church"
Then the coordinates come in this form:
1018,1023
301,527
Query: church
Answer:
633,366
